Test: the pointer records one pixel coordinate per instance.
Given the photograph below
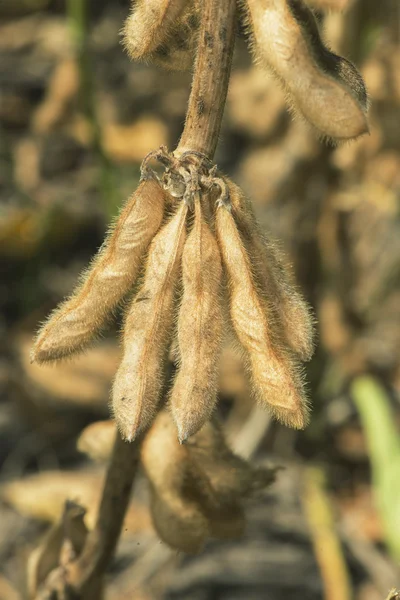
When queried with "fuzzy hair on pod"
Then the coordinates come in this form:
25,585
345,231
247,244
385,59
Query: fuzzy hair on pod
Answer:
163,32
326,89
275,372
275,278
194,394
178,52
112,273
178,519
149,24
147,331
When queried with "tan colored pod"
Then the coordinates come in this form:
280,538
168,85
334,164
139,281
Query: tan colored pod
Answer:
194,394
149,25
275,279
327,89
147,332
74,323
97,440
177,518
276,377
178,52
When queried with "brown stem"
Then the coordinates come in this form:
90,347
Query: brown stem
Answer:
210,78
102,540
83,579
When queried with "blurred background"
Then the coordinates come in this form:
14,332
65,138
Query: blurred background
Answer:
76,119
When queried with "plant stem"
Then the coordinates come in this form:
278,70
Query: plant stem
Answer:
210,78
102,540
83,579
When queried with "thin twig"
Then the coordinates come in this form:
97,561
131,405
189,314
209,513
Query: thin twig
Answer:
210,79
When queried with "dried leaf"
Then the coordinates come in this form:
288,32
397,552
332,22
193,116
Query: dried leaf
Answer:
71,531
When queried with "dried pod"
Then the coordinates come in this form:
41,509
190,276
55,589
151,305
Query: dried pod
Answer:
327,89
194,393
177,518
275,279
329,4
97,440
178,52
147,331
230,476
163,31
275,372
192,498
73,325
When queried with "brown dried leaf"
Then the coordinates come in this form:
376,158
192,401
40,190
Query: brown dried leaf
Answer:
70,532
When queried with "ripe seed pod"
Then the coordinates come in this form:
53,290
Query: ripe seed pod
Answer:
194,393
326,88
149,25
178,519
97,440
177,53
275,373
147,331
274,278
72,325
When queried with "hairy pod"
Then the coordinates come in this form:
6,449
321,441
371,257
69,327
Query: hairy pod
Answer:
178,52
275,372
149,25
177,518
275,279
194,393
147,331
72,325
163,32
97,440
327,89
